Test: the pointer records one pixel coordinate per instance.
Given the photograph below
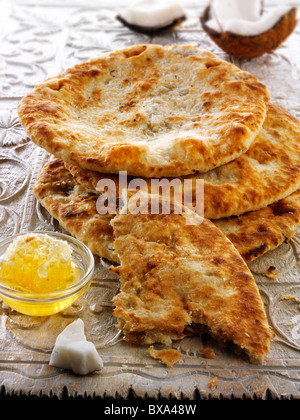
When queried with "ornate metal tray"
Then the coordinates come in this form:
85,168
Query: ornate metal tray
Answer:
37,42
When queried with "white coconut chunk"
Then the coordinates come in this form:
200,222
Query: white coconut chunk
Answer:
72,333
238,21
152,14
73,352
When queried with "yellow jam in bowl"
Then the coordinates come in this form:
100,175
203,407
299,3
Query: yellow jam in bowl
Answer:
43,273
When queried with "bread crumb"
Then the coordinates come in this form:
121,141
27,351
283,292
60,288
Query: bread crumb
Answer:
213,382
168,356
271,272
288,297
208,353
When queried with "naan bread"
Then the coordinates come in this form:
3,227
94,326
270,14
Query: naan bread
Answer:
178,279
268,172
148,109
74,206
260,231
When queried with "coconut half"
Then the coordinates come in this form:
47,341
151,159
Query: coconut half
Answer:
148,16
243,30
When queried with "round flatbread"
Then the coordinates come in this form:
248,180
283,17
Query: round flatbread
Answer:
149,110
268,172
75,207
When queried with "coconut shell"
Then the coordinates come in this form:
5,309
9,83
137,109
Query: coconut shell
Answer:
241,46
151,30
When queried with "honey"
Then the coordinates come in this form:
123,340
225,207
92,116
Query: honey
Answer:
43,265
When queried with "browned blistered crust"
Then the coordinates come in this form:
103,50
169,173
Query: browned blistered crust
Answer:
148,109
253,233
257,232
174,275
90,179
266,173
74,206
252,46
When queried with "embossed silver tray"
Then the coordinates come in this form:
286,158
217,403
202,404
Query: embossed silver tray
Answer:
38,41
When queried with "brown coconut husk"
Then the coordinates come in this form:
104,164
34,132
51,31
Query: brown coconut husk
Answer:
240,46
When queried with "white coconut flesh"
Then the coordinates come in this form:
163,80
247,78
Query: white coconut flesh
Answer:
243,18
73,352
152,14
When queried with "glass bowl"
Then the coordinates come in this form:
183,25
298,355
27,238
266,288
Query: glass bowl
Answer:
41,304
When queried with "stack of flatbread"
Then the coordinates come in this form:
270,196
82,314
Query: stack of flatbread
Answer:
171,112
